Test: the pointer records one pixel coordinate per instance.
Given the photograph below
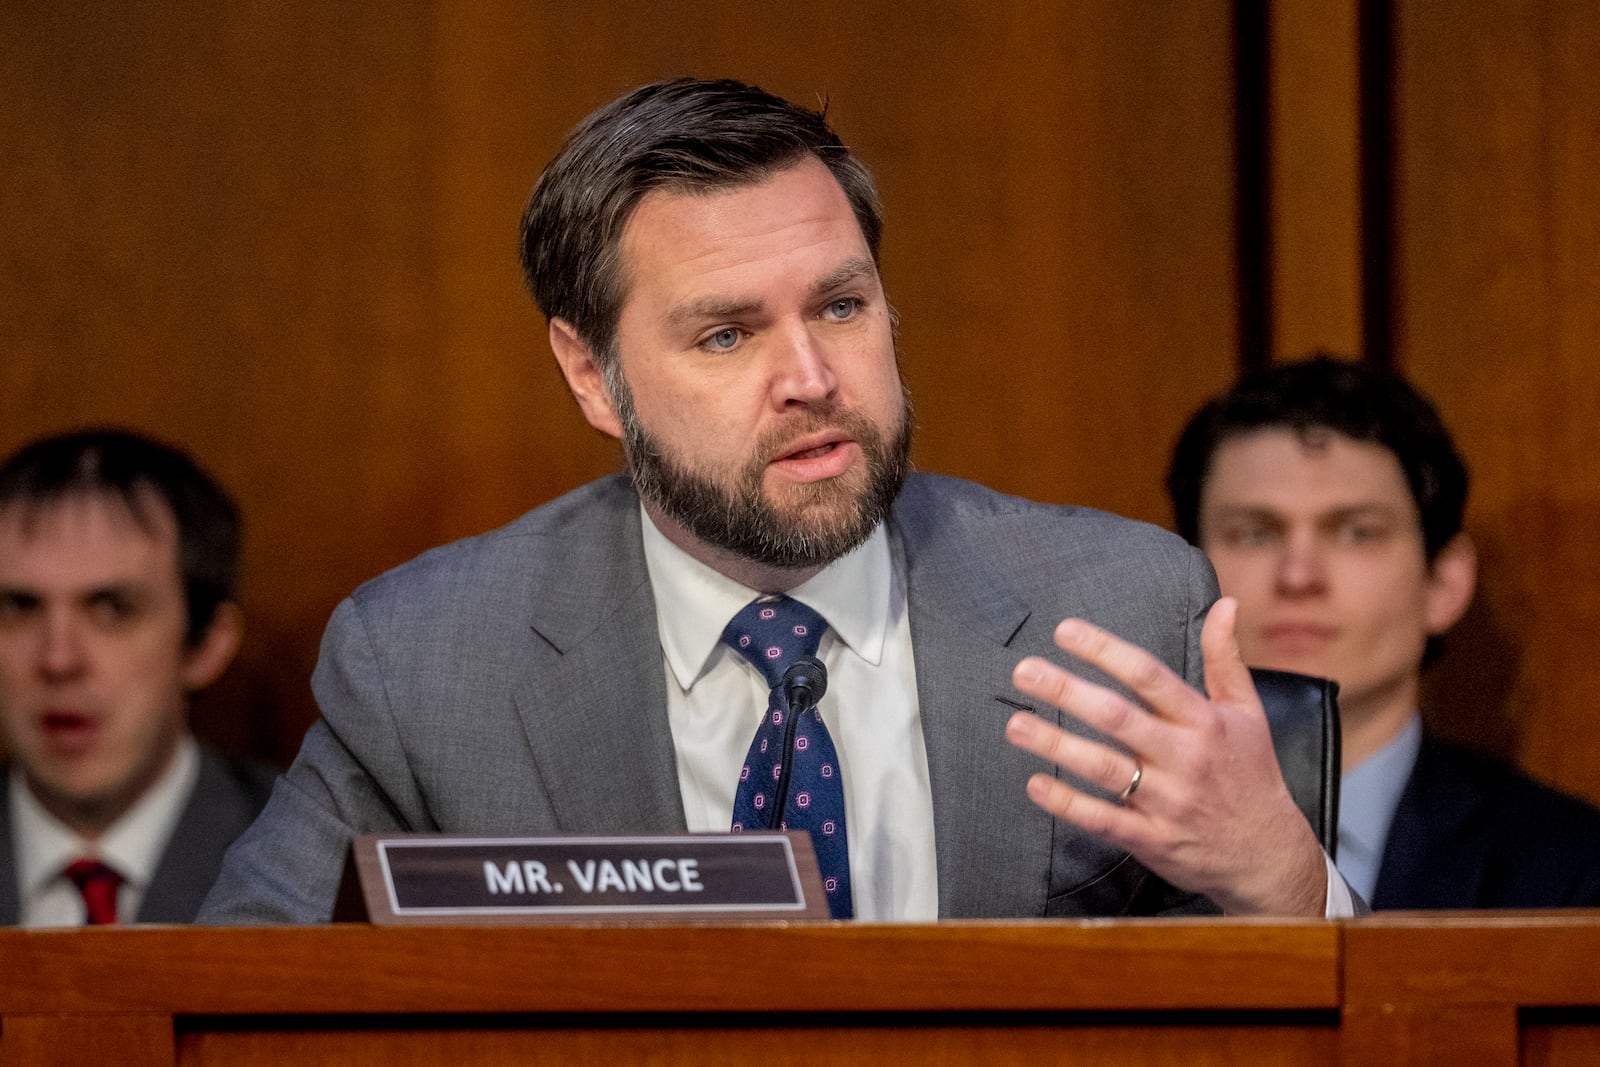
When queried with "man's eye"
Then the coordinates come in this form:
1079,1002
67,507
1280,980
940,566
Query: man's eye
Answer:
723,340
843,308
112,610
14,607
1246,536
1360,533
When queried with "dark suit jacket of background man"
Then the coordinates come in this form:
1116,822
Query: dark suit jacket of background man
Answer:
226,798
1472,832
513,684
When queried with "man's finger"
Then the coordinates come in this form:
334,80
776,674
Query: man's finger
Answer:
1104,819
1228,679
1166,694
1094,705
1090,761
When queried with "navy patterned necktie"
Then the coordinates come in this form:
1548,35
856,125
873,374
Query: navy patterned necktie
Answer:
772,635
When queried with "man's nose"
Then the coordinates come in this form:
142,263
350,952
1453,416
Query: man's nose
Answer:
1302,570
804,369
61,653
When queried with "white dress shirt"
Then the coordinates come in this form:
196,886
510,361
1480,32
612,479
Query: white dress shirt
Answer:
131,846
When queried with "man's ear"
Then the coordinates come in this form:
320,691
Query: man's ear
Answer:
205,661
1452,578
584,378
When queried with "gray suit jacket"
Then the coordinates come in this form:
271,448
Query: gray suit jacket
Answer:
513,684
225,800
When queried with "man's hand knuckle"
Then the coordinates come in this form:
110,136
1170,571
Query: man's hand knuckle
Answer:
1117,716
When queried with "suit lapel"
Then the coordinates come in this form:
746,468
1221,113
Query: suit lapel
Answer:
189,863
594,705
993,844
1429,860
219,808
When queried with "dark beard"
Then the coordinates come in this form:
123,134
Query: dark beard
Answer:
739,519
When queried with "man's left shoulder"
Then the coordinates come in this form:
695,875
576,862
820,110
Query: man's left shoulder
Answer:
935,513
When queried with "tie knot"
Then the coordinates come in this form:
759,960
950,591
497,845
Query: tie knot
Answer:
773,634
98,885
83,873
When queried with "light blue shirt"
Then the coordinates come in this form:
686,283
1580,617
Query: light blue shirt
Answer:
1369,793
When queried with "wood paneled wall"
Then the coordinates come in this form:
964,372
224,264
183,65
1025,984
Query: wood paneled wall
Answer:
1479,239
1497,295
283,235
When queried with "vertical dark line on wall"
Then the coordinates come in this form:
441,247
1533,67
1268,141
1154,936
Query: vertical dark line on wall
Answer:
1253,181
1377,33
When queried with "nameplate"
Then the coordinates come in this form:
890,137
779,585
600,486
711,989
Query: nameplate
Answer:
439,879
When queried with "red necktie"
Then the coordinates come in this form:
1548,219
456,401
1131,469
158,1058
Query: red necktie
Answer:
98,884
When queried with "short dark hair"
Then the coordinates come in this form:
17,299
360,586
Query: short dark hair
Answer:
685,134
132,468
1356,400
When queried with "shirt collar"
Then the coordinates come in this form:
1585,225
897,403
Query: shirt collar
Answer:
695,602
131,846
1370,791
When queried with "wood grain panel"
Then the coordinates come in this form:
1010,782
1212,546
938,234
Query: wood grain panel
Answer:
49,1040
221,236
954,966
284,236
1429,1036
1484,988
1133,1040
1158,992
1444,988
1522,959
1498,256
1546,1044
1315,138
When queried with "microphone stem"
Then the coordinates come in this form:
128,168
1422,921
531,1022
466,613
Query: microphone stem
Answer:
781,801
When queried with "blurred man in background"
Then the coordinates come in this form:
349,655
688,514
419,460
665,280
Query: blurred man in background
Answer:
1329,496
119,560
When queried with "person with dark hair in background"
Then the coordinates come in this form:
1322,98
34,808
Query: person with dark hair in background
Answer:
1329,496
119,560
706,255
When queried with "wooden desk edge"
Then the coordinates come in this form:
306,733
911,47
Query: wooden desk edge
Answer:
953,966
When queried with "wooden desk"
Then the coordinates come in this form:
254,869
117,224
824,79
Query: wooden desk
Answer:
1472,987
1396,989
1192,992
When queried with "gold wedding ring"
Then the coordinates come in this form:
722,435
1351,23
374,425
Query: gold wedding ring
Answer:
1133,783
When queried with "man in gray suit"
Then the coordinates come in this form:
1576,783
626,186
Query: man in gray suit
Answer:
707,257
118,561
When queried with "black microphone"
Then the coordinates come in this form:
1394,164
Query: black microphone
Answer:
803,685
